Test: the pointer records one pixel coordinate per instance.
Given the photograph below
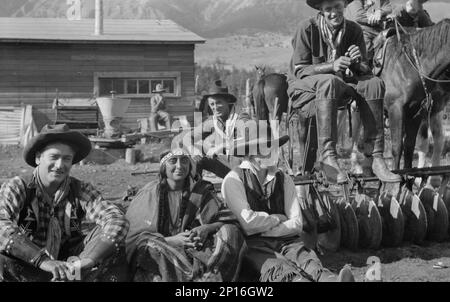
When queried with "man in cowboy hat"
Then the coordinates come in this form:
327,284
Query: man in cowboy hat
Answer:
218,127
158,107
370,15
328,68
266,204
41,217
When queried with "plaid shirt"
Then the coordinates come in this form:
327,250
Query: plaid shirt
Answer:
93,209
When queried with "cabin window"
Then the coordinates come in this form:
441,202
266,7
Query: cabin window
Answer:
136,87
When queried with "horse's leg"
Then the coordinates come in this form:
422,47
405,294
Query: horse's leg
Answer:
356,134
396,121
410,141
422,144
436,118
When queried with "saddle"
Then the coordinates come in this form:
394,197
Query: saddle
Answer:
380,43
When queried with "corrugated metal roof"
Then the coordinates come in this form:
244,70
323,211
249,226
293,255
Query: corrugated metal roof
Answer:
114,30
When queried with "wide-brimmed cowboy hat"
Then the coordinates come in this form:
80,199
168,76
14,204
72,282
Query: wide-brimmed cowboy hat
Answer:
242,148
316,3
219,91
248,145
57,134
159,88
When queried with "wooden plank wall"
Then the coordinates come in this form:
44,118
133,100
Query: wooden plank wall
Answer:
11,125
31,73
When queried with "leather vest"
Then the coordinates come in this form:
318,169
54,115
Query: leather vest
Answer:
268,198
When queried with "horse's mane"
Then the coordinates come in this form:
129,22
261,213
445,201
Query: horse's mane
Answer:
432,39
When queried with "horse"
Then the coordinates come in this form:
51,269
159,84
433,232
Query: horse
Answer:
269,91
440,97
405,92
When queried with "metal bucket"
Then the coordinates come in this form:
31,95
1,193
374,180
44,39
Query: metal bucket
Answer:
113,109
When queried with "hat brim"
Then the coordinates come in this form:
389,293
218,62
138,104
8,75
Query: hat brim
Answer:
243,149
37,143
231,99
203,107
316,3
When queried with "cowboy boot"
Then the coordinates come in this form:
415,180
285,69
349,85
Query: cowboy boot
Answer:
374,142
326,116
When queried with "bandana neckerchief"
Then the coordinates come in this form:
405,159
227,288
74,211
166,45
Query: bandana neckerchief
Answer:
333,41
54,232
227,135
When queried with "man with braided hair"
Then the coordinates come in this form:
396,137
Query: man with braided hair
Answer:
180,230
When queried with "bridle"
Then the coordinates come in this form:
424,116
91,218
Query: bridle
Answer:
414,61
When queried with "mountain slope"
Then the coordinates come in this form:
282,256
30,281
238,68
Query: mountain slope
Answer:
210,18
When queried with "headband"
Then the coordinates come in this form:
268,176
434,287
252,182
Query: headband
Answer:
176,152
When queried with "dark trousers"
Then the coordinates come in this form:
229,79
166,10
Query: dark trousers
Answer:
112,269
367,91
333,88
158,116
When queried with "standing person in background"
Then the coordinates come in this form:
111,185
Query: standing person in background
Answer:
158,107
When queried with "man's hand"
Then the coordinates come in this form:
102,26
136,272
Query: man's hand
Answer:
342,64
354,53
375,18
84,266
281,217
59,269
182,240
199,234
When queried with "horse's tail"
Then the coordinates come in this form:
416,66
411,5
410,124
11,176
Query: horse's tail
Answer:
261,110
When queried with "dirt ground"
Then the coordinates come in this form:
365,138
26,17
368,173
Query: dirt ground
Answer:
406,263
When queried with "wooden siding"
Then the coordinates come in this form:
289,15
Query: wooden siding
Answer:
31,73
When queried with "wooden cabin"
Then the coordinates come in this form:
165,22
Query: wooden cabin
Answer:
43,59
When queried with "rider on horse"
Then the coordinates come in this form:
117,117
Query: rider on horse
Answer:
328,68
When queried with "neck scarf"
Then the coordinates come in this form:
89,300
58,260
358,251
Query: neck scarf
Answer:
54,233
230,124
333,40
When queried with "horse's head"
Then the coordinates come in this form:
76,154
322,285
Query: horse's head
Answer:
260,71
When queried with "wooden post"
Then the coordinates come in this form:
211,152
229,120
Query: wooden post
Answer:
98,17
197,77
144,127
130,156
248,103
